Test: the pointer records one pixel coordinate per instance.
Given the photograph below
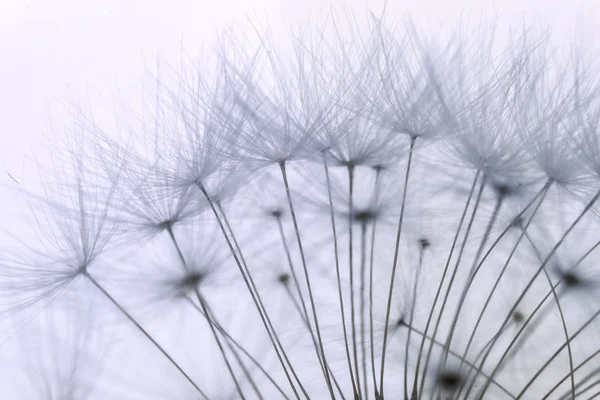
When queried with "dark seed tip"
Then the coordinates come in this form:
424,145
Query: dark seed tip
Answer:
284,278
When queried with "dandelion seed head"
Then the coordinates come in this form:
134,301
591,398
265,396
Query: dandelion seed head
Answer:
393,208
277,213
192,280
449,381
570,279
364,216
284,279
166,224
518,317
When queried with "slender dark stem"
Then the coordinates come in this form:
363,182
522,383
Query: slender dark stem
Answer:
588,377
488,230
530,283
455,354
451,283
338,277
351,272
258,297
540,193
288,255
255,296
556,353
206,312
560,311
282,167
371,264
297,286
232,342
597,394
587,388
306,322
411,319
394,267
143,331
570,375
441,284
236,355
541,196
465,291
526,325
363,339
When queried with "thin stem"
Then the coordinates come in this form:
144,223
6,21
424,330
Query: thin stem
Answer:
410,320
371,263
206,312
560,311
363,339
394,266
236,355
297,286
588,388
259,299
455,354
488,230
486,350
451,282
541,195
351,272
255,296
541,192
570,374
338,276
588,377
465,291
556,353
530,283
288,255
282,167
306,322
235,343
143,331
441,284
